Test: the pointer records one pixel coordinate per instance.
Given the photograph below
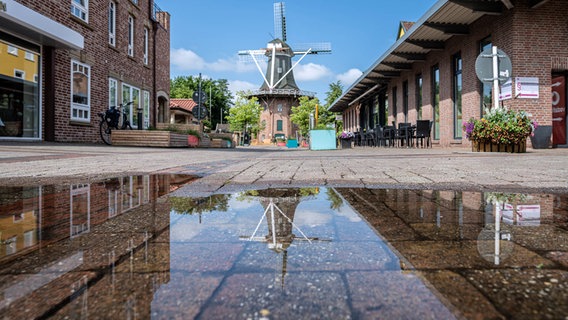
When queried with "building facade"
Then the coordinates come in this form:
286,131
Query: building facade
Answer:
430,71
64,61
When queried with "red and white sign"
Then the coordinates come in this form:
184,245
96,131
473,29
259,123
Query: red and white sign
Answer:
526,88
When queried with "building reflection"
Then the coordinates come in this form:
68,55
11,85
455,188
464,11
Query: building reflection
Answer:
86,243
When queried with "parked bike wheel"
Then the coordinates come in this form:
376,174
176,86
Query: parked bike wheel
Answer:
105,132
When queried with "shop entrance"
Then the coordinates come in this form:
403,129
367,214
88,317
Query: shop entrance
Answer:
559,114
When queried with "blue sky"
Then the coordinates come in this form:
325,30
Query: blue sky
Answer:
207,35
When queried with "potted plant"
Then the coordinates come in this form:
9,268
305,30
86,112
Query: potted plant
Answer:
345,138
193,138
500,130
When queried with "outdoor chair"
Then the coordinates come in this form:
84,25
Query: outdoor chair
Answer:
423,132
403,134
388,135
370,138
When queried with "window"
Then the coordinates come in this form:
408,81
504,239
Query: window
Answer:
12,50
112,23
146,108
80,91
30,56
130,36
146,36
457,95
134,1
279,107
80,215
278,125
19,74
112,92
436,100
405,100
485,88
419,96
130,93
394,104
80,9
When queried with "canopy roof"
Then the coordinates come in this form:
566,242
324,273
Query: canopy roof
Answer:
444,20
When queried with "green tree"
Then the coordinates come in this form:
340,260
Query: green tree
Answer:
335,91
221,97
301,113
245,113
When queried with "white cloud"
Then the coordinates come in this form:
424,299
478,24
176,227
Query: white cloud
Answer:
349,77
239,85
311,72
185,60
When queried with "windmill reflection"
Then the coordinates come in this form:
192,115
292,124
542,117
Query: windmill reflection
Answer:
279,210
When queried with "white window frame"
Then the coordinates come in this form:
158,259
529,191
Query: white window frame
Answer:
83,109
112,23
146,38
80,191
146,108
22,72
131,36
30,56
79,10
133,108
13,50
112,83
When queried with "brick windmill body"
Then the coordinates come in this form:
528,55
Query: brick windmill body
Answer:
279,91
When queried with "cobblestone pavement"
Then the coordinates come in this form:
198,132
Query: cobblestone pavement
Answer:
260,167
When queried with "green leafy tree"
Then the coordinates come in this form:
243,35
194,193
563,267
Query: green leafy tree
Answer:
335,91
218,90
245,114
301,113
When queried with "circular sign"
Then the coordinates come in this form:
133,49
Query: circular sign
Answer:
199,112
484,66
199,96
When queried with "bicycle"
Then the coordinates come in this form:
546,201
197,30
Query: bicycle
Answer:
111,119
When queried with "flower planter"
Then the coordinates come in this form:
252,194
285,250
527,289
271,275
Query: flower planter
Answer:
480,146
192,141
345,143
541,137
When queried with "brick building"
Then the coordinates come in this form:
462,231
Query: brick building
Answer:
429,72
64,61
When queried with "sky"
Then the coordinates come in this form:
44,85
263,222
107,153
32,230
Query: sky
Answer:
206,36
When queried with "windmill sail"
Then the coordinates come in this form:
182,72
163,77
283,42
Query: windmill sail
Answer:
279,21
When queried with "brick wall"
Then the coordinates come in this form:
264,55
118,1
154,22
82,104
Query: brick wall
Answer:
534,39
105,60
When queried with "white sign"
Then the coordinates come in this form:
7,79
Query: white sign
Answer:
339,117
506,90
526,88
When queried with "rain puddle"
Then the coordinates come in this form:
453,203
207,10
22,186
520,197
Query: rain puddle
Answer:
124,248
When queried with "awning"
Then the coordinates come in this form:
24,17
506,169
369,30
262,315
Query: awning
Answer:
445,19
20,20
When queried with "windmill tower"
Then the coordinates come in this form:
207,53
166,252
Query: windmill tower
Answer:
279,91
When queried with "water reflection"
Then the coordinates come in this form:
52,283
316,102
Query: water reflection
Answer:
121,249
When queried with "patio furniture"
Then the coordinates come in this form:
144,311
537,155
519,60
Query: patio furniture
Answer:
403,135
423,132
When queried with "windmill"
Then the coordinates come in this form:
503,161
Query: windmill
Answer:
279,54
279,91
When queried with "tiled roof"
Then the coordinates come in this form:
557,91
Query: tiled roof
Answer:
182,104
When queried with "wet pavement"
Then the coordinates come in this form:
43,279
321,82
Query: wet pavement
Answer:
143,247
90,231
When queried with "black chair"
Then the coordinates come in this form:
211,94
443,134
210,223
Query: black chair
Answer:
370,138
388,135
423,132
403,134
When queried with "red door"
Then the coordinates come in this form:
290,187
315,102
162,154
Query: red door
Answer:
558,110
